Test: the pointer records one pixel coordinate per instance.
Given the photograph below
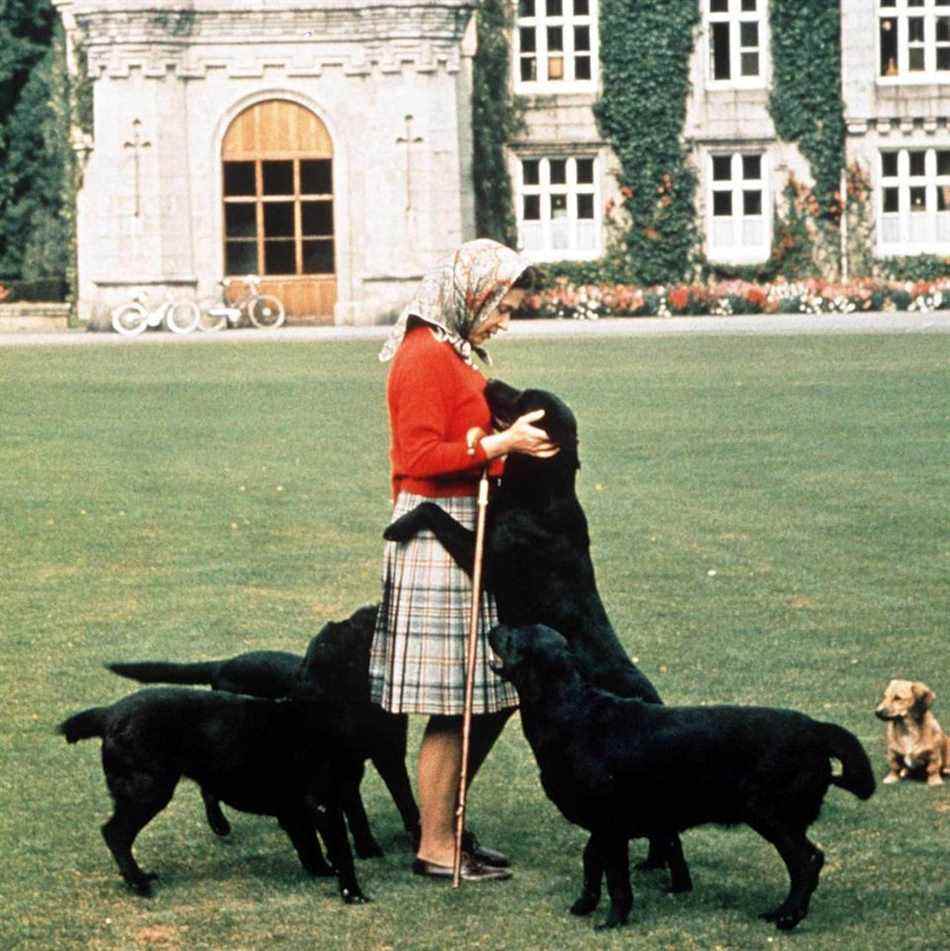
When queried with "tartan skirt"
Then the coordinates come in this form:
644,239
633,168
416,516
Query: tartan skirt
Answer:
418,658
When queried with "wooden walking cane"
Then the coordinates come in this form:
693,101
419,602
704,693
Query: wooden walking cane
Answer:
471,438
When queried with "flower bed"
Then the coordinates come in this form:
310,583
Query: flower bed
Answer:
722,299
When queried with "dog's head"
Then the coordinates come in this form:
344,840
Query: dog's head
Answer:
336,664
905,698
532,657
508,403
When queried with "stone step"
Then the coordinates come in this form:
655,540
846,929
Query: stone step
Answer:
34,317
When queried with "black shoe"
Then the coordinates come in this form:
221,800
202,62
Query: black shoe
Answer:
471,870
490,857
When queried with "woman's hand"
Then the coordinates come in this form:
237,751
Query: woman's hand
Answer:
521,436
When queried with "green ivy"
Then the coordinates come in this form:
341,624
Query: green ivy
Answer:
645,49
805,100
496,119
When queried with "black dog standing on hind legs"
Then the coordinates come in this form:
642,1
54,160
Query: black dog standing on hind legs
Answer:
538,564
622,768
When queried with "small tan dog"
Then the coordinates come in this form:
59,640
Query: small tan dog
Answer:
915,742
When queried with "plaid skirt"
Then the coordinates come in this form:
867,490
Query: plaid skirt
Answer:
418,658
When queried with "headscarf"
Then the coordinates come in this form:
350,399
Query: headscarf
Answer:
458,294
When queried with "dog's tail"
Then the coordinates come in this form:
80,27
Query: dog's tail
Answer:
84,725
857,776
159,672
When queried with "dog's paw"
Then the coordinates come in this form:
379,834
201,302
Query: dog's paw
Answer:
785,917
891,778
934,780
680,885
143,885
586,904
219,825
353,896
369,849
402,529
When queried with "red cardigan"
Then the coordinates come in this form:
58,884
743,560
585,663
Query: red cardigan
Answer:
434,399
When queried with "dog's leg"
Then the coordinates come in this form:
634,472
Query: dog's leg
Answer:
363,840
667,851
803,860
680,879
455,538
299,826
593,875
216,818
391,766
338,848
614,854
934,770
895,763
128,819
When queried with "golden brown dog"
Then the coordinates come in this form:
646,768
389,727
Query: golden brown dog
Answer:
915,743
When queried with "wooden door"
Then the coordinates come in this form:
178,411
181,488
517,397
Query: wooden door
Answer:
277,167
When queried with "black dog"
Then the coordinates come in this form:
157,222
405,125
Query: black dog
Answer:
622,769
538,564
270,757
335,669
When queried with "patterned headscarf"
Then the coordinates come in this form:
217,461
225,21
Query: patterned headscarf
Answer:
458,294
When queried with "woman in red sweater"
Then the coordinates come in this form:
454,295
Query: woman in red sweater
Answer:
436,398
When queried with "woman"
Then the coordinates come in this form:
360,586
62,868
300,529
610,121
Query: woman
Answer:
437,407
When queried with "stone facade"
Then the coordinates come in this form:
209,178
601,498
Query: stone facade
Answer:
169,77
728,115
391,81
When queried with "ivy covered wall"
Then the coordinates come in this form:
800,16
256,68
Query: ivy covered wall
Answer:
646,50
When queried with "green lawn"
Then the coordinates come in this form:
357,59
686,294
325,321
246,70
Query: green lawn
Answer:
769,524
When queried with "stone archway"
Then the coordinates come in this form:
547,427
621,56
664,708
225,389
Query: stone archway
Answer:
277,175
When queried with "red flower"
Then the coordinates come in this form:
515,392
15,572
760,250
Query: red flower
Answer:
679,298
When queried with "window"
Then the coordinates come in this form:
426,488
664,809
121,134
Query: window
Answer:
915,201
558,207
735,30
739,211
277,172
278,217
554,44
914,40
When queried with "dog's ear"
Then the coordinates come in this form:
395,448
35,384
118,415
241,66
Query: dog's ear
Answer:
923,696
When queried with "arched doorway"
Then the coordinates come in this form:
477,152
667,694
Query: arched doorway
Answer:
277,167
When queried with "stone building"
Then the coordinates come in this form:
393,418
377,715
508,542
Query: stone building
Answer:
327,144
896,90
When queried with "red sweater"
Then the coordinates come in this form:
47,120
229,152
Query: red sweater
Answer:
434,399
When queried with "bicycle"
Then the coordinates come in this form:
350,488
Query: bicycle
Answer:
263,310
130,320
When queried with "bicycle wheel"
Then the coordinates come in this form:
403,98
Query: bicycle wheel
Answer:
129,320
211,315
182,317
265,311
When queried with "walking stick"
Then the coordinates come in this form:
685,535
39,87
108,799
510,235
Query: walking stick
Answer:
470,675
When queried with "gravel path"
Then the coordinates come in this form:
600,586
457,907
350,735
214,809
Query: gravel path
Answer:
768,324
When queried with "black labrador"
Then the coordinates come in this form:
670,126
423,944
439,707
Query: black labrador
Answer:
622,769
538,564
335,669
290,759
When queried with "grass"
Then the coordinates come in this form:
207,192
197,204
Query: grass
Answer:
769,526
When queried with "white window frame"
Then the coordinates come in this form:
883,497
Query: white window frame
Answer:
738,252
918,232
735,16
545,227
902,11
539,23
